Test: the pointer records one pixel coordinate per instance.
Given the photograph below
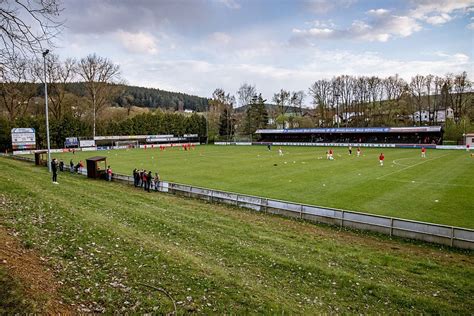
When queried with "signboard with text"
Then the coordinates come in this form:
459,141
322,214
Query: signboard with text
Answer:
23,138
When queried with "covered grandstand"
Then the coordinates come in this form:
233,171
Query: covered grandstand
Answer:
429,135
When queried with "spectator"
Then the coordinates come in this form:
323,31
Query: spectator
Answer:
71,166
109,174
135,177
156,181
143,178
61,166
54,169
148,181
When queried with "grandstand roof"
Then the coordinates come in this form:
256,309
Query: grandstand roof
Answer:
351,130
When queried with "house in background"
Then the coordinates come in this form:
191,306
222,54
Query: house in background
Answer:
437,116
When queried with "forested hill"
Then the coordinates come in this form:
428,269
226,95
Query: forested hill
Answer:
149,97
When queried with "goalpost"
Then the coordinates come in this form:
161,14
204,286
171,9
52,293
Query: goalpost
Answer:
127,144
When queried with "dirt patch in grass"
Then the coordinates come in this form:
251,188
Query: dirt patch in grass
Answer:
36,279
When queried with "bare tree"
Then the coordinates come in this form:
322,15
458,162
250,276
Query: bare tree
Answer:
282,100
27,26
428,86
99,75
374,86
417,90
461,86
296,100
344,86
59,74
17,87
246,93
361,98
394,88
438,85
320,92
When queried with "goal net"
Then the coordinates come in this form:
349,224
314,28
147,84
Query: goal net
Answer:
126,144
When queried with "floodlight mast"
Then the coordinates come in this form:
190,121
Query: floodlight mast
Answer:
46,108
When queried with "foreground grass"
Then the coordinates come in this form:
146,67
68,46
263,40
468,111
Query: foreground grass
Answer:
104,240
12,296
437,189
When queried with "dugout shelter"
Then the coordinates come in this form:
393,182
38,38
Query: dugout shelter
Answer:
41,158
396,135
94,169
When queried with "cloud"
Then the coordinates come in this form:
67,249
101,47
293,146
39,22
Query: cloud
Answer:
470,26
138,42
324,6
438,12
378,12
381,24
202,77
231,4
438,19
108,16
220,38
381,28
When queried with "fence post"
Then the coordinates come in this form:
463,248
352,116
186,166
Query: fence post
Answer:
301,211
212,196
237,201
452,236
342,219
391,226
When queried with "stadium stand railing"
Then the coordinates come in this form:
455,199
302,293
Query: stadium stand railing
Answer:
453,236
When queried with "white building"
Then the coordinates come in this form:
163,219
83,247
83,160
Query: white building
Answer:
438,116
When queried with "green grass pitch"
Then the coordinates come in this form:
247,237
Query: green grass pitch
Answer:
436,189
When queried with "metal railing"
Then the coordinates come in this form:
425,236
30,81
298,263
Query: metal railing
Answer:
429,232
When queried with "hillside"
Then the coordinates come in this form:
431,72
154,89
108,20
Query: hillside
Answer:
110,246
149,97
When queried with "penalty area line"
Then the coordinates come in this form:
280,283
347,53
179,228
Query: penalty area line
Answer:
408,167
432,183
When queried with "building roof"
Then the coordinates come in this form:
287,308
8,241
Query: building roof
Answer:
96,158
351,130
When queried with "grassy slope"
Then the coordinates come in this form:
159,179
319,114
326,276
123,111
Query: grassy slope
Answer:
441,192
102,239
13,299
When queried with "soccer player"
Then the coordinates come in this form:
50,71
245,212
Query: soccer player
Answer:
423,152
280,152
468,146
381,159
350,150
331,154
358,151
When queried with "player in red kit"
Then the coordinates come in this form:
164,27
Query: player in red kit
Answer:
423,152
381,159
331,154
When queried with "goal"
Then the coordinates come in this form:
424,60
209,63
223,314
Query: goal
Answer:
126,144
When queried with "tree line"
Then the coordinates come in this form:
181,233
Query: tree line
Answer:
348,101
155,123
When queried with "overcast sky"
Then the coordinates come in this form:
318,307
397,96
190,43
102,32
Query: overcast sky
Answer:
196,46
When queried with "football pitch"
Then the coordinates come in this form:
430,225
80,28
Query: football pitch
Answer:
438,188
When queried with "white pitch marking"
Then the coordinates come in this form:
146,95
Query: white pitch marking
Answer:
408,167
433,183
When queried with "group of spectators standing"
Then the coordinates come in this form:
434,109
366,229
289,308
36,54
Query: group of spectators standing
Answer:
141,178
145,180
75,168
59,165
